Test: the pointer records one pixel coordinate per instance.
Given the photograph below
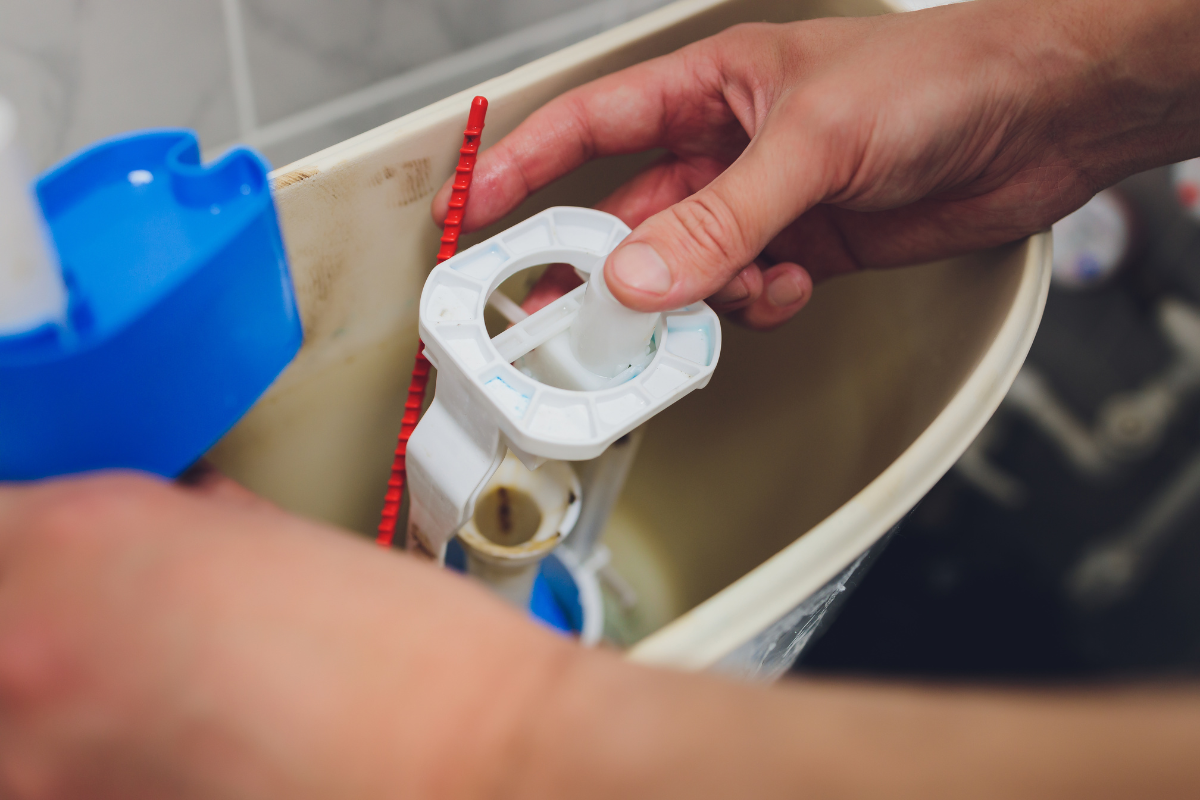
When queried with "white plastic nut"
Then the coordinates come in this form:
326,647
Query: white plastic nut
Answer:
484,405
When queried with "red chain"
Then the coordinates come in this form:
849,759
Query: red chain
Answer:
420,375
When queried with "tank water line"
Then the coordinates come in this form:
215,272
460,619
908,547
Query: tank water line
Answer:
32,292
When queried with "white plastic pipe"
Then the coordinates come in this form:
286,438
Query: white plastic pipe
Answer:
607,337
31,285
602,480
522,516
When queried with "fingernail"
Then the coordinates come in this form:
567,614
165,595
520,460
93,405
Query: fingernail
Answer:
639,267
785,290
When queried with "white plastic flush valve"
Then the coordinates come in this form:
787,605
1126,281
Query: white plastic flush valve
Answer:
32,292
520,518
563,384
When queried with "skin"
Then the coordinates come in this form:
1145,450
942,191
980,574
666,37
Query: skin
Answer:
190,640
805,151
193,641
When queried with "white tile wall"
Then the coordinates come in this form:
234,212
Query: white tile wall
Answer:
288,76
79,70
307,51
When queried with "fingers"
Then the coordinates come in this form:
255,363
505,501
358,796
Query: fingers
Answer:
692,249
70,509
787,288
557,280
831,241
13,497
660,186
663,184
762,297
10,495
201,479
758,297
672,180
639,108
745,288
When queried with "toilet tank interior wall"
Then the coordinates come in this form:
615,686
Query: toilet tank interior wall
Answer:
288,76
361,242
796,422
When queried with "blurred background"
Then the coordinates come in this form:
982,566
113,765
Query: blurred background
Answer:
1065,543
289,77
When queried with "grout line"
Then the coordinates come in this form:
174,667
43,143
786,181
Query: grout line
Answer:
239,69
601,16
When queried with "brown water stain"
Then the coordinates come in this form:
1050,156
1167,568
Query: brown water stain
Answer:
323,243
413,180
324,278
416,544
383,176
295,176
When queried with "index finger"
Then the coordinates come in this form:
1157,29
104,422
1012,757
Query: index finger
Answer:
629,111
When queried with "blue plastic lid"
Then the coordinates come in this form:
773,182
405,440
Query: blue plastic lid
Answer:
181,311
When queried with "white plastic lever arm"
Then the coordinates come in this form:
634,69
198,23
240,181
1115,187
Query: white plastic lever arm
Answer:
450,458
540,326
31,284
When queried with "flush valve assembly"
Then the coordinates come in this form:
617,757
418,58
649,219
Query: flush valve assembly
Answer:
561,384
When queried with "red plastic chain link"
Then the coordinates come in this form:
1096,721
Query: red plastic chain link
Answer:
452,227
420,375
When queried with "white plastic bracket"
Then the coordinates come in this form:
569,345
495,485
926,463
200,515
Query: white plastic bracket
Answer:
484,405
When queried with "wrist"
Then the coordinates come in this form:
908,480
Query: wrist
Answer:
1119,82
496,736
614,729
598,731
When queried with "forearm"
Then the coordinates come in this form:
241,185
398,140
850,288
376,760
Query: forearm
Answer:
619,731
1121,79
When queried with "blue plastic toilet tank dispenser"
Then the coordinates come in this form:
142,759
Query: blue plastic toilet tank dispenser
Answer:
180,314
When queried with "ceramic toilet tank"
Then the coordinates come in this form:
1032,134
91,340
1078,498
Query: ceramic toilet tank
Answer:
746,497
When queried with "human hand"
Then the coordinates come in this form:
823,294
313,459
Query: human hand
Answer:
159,641
166,641
817,148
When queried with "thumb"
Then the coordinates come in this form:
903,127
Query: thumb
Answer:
693,248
